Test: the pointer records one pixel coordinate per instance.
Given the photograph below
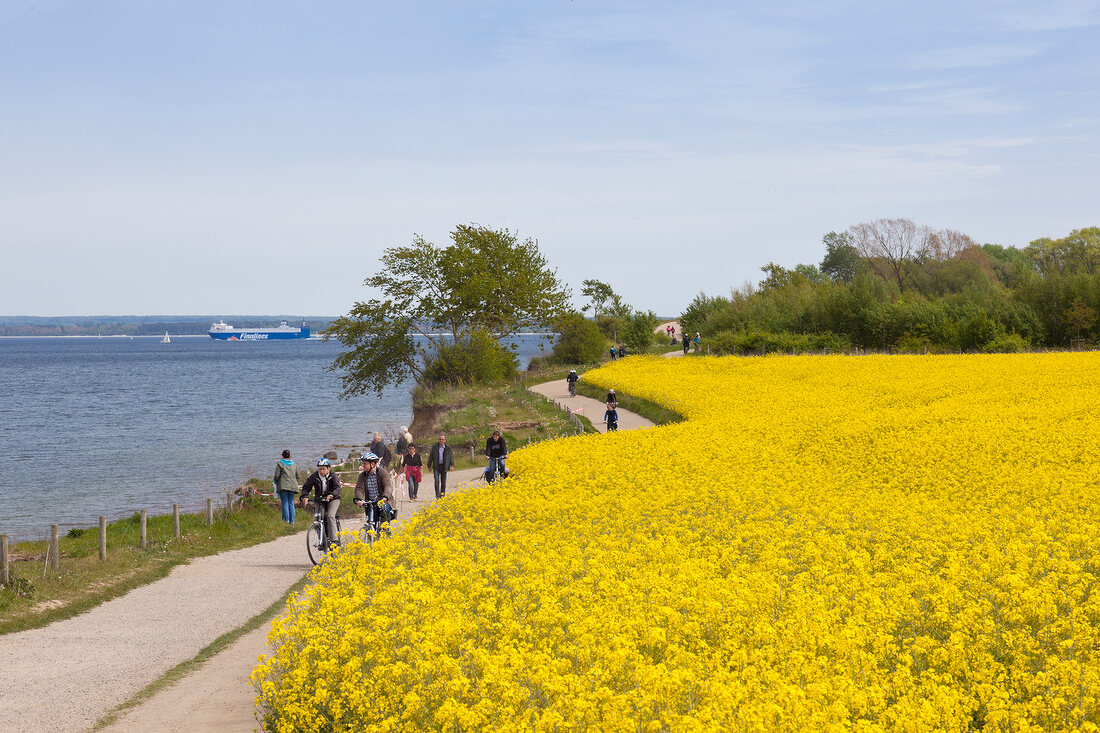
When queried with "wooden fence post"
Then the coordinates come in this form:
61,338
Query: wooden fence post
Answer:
143,536
176,520
103,538
55,551
228,503
4,577
210,511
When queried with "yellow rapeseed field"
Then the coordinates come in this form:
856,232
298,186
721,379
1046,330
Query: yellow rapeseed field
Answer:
826,543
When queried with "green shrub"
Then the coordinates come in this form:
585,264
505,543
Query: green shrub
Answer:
476,359
580,342
1009,343
767,342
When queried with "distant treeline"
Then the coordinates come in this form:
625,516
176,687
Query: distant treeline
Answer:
140,325
893,285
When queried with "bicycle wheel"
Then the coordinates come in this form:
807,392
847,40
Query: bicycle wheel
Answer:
315,543
366,534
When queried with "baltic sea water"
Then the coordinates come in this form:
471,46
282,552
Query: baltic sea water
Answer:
109,426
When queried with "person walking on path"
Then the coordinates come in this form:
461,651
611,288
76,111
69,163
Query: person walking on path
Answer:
379,448
696,342
402,445
441,459
286,484
687,345
411,462
326,489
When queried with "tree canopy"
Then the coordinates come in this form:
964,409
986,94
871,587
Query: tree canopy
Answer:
892,284
467,297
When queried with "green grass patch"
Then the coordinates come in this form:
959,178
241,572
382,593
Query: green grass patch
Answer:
38,595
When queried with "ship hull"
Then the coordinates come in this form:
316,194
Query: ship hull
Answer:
260,334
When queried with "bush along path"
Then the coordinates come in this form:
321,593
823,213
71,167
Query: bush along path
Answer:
98,661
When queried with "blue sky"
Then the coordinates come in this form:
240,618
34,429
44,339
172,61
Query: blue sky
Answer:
257,157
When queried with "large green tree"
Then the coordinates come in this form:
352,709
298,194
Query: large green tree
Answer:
472,295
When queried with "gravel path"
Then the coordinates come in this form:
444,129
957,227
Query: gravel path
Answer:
590,408
65,676
68,675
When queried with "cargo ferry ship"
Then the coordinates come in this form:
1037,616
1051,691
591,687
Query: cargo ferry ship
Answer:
224,332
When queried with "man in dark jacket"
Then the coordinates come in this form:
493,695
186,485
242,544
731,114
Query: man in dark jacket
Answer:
326,487
441,460
379,448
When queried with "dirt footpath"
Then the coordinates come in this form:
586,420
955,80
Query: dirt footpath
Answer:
217,696
65,676
592,409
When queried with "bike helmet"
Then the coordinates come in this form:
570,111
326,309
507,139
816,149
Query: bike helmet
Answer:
324,462
368,456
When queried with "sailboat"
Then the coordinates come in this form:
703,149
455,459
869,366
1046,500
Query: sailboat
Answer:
166,340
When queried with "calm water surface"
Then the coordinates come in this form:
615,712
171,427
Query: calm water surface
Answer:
92,427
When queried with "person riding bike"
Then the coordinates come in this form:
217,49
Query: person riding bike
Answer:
611,417
496,450
572,380
326,487
612,401
372,486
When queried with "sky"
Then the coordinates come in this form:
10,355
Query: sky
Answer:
196,157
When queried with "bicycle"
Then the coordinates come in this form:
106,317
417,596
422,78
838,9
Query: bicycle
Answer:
496,468
318,543
572,389
373,521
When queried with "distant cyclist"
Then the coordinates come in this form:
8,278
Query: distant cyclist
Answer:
373,485
496,450
612,401
572,380
326,487
611,417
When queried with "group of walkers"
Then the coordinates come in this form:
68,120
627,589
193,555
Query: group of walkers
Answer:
375,481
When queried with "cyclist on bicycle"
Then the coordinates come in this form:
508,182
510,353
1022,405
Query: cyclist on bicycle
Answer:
326,487
374,485
612,401
611,417
572,380
496,450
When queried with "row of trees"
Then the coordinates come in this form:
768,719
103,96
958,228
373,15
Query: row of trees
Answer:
892,284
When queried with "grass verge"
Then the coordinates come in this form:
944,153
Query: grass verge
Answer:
183,669
38,595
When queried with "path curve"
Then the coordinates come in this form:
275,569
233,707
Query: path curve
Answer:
69,674
558,391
